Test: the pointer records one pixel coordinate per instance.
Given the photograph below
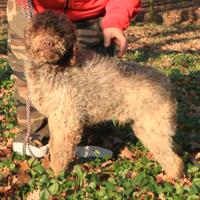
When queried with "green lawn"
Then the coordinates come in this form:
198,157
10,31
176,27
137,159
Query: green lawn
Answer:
136,178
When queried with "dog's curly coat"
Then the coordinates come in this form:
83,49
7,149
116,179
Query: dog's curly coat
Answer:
73,97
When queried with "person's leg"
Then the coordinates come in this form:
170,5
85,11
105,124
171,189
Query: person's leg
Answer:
17,57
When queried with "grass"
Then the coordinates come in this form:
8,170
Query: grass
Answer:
117,178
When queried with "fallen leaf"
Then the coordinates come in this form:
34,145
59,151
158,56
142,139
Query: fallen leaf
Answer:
126,153
5,152
131,174
161,196
14,180
106,163
14,130
46,161
33,195
24,166
120,189
2,117
5,189
64,194
150,194
23,177
5,171
9,142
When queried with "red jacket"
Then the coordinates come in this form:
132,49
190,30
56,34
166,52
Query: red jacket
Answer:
117,13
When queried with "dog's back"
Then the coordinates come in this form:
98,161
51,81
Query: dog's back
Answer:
106,88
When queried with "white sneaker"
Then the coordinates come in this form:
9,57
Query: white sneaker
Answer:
39,152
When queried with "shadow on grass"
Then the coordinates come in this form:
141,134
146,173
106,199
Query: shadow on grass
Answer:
178,30
3,46
153,51
187,91
5,70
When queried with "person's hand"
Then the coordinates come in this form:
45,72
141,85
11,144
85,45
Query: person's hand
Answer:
116,35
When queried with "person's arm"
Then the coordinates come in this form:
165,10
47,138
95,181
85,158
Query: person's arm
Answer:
117,18
119,13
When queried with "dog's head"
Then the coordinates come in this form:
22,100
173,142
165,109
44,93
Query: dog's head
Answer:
49,37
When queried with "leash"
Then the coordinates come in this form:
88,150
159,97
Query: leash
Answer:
28,11
28,125
27,8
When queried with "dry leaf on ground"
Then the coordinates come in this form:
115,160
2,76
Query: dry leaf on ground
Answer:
33,195
105,164
23,177
126,153
46,161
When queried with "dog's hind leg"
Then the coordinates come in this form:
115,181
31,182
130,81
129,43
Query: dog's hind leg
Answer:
64,136
155,128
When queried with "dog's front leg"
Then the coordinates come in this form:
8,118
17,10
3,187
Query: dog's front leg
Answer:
64,136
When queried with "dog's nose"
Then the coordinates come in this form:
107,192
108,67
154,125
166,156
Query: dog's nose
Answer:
47,43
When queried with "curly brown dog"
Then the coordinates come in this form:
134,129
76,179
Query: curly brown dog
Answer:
97,90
